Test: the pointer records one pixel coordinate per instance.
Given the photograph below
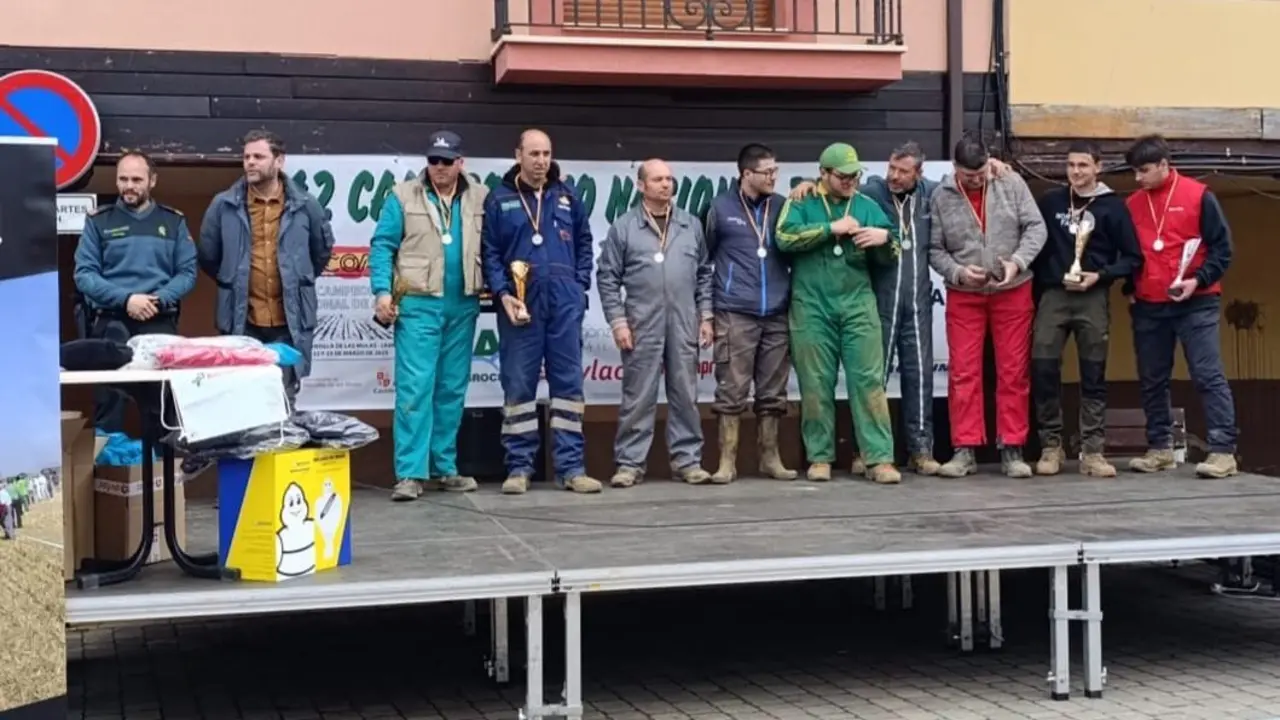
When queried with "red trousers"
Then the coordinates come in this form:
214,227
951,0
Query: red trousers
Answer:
1009,315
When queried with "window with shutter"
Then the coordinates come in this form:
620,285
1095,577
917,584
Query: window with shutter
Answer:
653,15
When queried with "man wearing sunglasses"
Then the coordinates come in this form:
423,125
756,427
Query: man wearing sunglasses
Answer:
424,267
987,230
834,237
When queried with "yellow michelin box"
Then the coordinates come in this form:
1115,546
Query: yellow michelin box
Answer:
285,515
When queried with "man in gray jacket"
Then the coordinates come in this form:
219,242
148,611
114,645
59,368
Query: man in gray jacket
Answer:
986,232
654,279
264,241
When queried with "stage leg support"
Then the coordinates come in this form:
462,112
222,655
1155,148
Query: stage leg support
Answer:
1059,633
570,708
1095,674
973,609
469,618
499,663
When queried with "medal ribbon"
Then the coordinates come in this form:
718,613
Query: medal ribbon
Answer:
1164,215
534,215
1074,215
761,232
980,219
444,204
904,211
661,230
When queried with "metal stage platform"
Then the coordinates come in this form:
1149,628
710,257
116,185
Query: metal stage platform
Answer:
659,535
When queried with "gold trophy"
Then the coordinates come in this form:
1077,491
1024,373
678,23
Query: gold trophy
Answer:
1083,228
399,288
520,276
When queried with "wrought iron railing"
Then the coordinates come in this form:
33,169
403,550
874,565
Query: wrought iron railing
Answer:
869,21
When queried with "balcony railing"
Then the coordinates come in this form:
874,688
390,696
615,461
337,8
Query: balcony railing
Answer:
872,22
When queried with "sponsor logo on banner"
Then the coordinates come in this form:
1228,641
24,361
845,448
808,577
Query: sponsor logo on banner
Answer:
353,364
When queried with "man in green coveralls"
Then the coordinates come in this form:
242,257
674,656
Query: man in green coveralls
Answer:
833,236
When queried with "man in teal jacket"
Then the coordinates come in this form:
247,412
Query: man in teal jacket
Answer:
424,266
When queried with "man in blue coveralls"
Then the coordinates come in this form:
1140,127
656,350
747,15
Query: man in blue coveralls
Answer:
424,266
538,255
135,261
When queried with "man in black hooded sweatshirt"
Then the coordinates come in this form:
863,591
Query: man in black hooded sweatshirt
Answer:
1075,301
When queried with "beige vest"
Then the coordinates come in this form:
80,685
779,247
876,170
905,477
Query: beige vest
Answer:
420,261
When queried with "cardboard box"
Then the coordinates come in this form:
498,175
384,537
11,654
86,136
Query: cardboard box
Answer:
118,513
285,515
79,448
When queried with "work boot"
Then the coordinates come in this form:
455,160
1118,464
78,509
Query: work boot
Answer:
1095,465
1154,460
515,484
625,477
820,472
1051,460
923,464
961,464
884,474
583,484
770,459
1217,465
859,466
1012,464
694,475
406,491
458,483
728,470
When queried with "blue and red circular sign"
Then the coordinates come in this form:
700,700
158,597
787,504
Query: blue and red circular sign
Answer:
39,103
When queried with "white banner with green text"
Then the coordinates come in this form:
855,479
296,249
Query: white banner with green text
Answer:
353,365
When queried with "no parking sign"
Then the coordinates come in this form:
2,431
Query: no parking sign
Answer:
39,103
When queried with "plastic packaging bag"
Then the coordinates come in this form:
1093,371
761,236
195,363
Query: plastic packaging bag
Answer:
145,346
196,355
334,430
244,445
286,355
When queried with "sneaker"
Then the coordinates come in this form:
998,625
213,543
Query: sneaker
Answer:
694,475
858,466
1095,465
406,491
624,478
515,485
1218,465
458,483
923,464
884,474
1051,460
819,472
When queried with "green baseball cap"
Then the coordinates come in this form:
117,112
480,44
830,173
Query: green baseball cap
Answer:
840,157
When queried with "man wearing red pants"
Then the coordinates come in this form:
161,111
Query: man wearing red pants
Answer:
986,232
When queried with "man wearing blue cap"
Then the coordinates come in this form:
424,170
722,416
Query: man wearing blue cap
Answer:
424,266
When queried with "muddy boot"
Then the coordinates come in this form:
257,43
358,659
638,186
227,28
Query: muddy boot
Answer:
1012,464
1095,465
406,491
693,475
770,459
728,470
961,464
515,485
819,472
923,464
1051,460
583,484
858,466
884,474
1217,465
1154,461
625,477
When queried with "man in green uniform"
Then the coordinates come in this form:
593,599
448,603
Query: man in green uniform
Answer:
833,237
424,268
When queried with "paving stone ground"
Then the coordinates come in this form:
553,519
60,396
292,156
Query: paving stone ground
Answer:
1173,651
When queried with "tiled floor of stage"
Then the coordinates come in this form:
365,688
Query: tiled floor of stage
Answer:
667,522
1174,652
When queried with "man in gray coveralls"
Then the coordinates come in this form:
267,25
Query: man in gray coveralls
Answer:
654,279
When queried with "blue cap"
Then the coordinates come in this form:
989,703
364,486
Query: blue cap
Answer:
444,144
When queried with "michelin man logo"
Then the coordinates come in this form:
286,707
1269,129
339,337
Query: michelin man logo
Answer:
296,538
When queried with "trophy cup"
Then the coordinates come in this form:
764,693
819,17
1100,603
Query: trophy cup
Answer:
1083,228
1188,254
520,276
398,290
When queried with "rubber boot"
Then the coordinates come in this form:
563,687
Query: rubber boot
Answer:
770,459
728,470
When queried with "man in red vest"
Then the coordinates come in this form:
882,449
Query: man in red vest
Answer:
1176,297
